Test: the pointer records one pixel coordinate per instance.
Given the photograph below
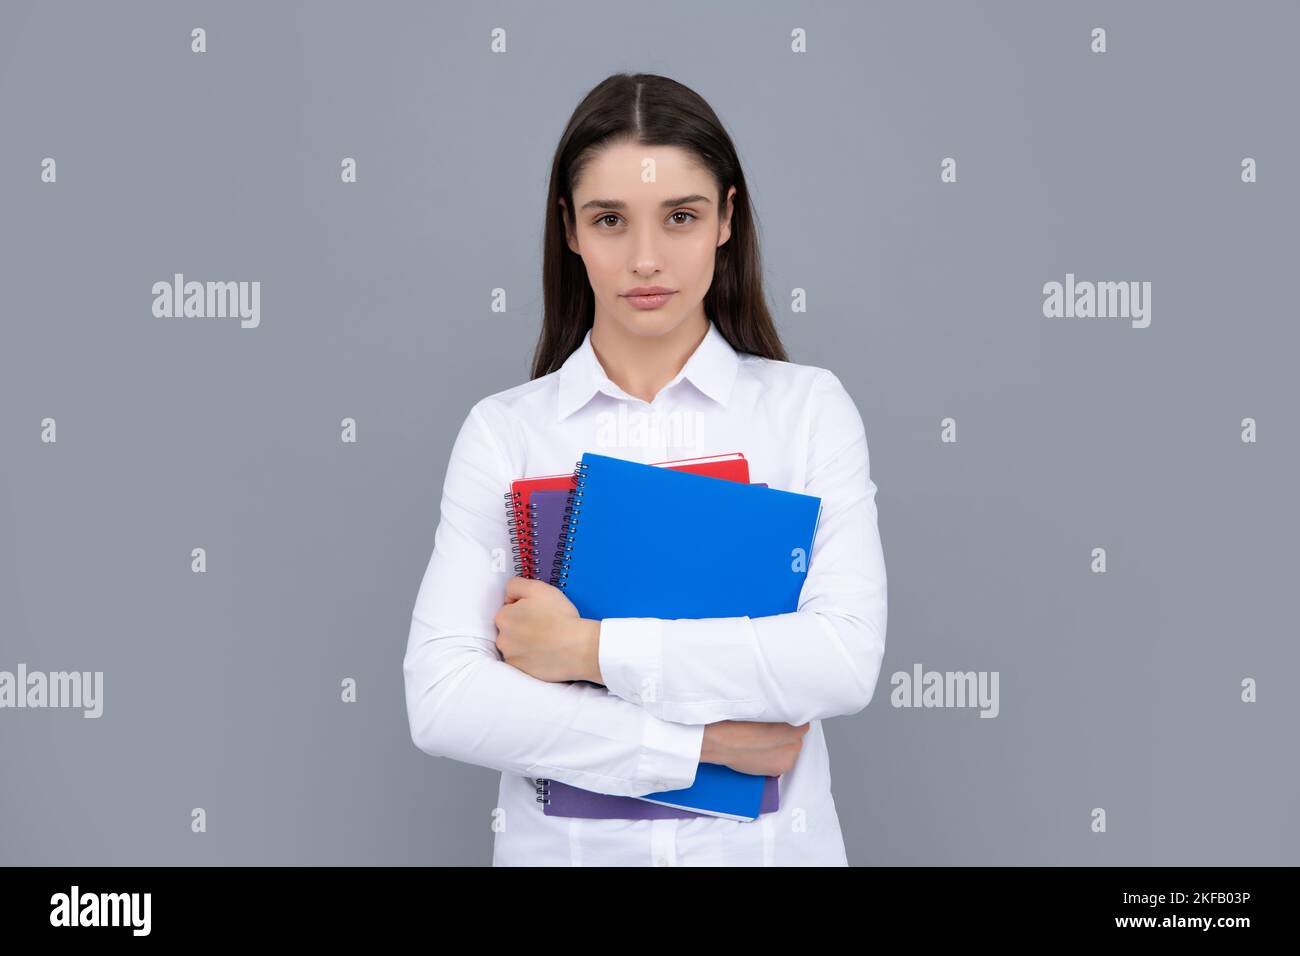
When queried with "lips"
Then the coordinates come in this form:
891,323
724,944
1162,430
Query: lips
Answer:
651,301
648,297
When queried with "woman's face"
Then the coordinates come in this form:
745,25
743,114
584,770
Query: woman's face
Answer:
646,217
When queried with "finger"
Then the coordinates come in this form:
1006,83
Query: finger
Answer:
518,587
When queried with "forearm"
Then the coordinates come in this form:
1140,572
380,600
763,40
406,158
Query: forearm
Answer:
463,702
796,667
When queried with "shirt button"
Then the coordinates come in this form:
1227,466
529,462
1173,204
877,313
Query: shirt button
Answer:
661,861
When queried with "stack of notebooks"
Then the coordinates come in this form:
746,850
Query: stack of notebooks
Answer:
690,538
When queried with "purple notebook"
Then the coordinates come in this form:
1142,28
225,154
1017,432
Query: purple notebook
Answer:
560,799
546,520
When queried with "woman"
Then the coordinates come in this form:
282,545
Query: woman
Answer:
654,315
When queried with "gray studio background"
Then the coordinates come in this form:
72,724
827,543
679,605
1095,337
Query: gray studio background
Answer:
1118,690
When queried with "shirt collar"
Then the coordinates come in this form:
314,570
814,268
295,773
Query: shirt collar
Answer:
711,368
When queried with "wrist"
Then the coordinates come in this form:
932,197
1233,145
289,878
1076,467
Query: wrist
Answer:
588,654
707,750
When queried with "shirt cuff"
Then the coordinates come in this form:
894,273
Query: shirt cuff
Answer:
631,660
670,754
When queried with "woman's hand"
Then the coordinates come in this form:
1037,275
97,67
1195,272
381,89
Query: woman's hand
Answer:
768,749
539,632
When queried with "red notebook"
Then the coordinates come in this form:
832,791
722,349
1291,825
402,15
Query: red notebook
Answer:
732,467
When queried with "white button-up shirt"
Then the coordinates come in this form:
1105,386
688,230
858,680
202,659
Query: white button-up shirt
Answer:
800,431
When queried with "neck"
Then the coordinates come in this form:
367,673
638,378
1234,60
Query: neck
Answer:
641,365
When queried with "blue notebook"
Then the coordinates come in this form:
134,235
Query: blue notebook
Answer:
643,541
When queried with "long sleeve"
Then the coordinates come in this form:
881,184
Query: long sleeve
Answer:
464,702
821,660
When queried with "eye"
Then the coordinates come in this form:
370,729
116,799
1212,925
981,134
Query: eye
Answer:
690,217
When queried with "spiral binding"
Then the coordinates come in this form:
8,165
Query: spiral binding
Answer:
572,509
525,554
560,571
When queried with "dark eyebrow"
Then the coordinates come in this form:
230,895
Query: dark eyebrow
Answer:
619,204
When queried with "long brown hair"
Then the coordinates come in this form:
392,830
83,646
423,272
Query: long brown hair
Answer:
650,110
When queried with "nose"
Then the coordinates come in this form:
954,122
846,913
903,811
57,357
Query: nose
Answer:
645,250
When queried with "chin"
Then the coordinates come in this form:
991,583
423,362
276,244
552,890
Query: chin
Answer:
651,323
